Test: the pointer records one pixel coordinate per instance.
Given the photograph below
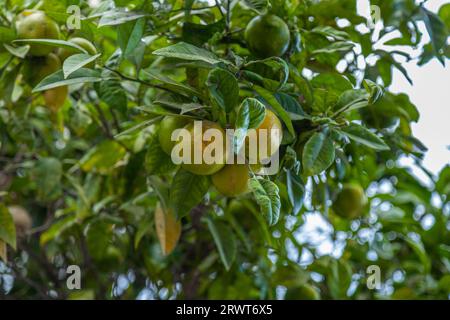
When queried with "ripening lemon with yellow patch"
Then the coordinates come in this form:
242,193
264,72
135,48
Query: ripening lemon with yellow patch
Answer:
202,148
265,140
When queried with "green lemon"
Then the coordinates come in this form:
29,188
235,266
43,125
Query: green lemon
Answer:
267,36
166,127
32,24
35,69
232,180
350,201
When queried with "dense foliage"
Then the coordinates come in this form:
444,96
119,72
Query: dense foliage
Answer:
82,154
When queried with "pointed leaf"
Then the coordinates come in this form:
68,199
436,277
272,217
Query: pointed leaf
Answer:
118,16
250,115
7,227
168,229
318,154
187,191
186,51
225,241
77,61
57,79
53,43
129,36
20,52
223,88
267,196
156,160
364,136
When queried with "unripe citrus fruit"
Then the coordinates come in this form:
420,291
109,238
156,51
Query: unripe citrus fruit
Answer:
267,36
22,220
37,68
36,25
232,180
211,154
55,98
304,292
272,129
350,201
166,127
64,53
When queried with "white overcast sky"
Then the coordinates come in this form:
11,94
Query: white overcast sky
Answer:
430,92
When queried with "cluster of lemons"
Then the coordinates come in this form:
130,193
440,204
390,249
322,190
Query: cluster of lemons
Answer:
229,179
43,60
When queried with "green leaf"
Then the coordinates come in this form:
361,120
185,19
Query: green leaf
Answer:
186,51
173,85
20,52
250,115
223,89
364,136
328,31
338,46
6,34
103,158
129,36
324,99
7,227
112,93
375,91
292,106
273,102
187,191
77,61
260,6
443,182
57,228
417,246
199,34
98,236
296,191
53,43
331,81
118,16
47,174
302,84
318,154
444,14
57,79
339,278
278,65
267,196
225,241
386,56
144,228
156,160
436,29
351,100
